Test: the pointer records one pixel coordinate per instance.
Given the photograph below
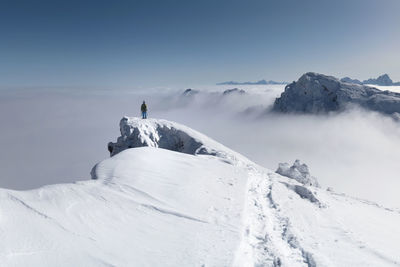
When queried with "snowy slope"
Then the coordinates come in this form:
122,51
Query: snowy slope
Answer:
292,228
156,207
148,206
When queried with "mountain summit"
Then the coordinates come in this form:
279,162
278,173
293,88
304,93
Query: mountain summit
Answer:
318,93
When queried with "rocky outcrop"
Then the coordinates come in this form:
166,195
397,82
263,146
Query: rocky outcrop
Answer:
234,91
158,133
136,132
298,172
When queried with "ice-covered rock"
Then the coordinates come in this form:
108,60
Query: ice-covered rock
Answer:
318,93
298,172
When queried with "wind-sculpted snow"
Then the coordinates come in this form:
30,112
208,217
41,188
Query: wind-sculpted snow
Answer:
161,207
318,93
305,193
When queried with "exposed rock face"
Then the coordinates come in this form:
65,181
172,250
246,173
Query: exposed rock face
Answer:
318,93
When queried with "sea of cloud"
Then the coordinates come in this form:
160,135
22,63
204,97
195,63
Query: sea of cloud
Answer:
56,136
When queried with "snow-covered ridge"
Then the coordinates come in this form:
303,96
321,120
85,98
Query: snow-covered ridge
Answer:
152,207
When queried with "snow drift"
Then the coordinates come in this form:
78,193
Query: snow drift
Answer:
178,206
316,93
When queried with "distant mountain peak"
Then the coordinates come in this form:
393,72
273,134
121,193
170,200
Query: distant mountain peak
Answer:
382,80
260,82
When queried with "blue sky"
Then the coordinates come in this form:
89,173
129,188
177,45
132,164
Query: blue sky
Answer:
186,43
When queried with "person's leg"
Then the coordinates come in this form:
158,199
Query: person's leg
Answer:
142,114
145,114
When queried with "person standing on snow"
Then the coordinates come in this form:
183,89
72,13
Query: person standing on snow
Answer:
143,108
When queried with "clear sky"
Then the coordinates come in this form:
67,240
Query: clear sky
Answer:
183,43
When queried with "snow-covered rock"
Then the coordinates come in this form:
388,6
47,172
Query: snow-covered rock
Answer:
297,171
159,207
318,93
136,132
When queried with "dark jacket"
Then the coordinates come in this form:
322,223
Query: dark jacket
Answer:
143,108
